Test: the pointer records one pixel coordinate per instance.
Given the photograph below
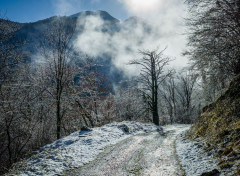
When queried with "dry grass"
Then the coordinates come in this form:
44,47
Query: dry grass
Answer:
219,125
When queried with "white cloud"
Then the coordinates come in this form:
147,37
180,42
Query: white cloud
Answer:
141,6
164,16
167,26
167,16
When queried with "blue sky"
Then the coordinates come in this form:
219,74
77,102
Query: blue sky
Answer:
33,10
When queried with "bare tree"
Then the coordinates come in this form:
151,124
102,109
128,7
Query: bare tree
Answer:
185,91
151,76
180,97
10,48
169,96
12,102
94,89
130,104
57,50
214,42
17,100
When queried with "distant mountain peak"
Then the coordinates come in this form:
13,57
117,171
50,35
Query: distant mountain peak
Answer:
102,14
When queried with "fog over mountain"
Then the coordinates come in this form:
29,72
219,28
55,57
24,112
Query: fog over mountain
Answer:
101,36
165,19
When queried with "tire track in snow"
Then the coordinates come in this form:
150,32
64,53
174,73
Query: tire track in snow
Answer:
121,159
163,162
150,154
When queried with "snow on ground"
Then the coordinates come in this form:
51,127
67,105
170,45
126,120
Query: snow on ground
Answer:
79,148
162,159
149,154
193,159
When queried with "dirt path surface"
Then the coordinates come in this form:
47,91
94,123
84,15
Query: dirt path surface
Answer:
149,154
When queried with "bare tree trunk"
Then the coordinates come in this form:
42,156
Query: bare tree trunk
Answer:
58,114
155,105
152,74
9,145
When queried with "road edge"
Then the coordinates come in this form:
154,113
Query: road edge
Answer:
183,172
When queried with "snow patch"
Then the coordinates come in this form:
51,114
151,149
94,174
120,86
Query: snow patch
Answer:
193,159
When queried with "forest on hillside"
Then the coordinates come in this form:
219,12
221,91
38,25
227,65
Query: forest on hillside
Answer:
42,101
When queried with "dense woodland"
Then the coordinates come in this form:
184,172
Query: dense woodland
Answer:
64,91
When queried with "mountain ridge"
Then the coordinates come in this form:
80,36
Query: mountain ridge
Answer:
104,14
33,33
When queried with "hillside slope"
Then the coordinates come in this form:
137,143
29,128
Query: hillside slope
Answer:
33,34
219,127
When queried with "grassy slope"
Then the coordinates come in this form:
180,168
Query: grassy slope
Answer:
219,125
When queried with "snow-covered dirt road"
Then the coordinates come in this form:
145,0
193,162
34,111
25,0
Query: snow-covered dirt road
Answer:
122,149
142,154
